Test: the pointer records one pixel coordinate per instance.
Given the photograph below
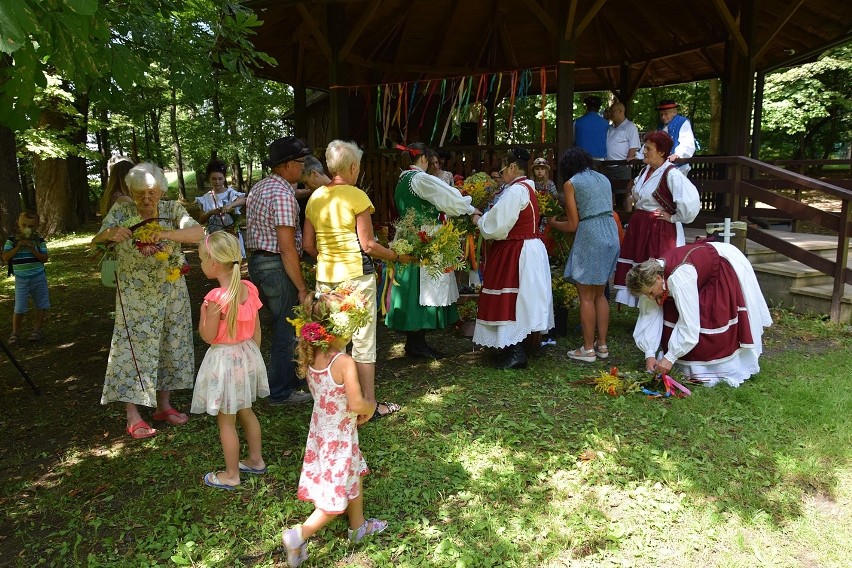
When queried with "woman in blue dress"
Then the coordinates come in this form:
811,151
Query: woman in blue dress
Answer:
591,262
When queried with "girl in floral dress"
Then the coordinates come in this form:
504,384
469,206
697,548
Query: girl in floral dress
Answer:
333,463
232,374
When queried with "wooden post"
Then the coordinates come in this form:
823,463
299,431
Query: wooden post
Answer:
565,97
338,101
739,86
758,114
841,262
300,109
624,88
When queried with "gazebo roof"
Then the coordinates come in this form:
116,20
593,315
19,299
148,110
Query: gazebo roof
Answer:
663,42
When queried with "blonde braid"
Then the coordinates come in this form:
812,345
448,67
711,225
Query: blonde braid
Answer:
224,248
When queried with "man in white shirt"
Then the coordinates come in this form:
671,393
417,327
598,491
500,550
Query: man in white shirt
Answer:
622,142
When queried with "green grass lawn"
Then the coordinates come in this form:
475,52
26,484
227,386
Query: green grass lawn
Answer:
479,468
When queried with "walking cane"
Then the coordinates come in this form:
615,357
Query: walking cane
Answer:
19,368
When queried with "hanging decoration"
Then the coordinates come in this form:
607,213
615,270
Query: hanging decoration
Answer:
543,82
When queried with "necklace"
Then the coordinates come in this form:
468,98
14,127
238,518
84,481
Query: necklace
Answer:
664,296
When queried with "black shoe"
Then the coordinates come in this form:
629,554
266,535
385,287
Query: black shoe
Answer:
516,357
422,352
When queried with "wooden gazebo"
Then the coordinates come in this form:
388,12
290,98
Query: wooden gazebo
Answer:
580,45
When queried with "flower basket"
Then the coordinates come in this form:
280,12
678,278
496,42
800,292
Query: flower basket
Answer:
467,328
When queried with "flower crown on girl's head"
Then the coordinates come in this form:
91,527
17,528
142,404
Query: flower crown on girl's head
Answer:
326,317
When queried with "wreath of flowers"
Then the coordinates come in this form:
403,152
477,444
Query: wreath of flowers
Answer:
438,247
329,321
144,232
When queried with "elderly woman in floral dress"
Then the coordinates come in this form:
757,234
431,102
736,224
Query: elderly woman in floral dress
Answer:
151,351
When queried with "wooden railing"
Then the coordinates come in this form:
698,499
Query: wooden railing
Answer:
746,182
730,186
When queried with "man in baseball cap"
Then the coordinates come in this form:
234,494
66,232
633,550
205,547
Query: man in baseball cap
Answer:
274,243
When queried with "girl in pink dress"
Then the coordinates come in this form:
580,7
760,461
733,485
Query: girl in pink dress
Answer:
333,463
232,374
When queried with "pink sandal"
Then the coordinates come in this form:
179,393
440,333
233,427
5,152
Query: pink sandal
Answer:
138,426
171,416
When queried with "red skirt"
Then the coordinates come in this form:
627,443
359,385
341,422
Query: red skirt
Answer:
646,237
723,316
500,282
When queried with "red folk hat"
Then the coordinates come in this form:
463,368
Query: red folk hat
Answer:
666,104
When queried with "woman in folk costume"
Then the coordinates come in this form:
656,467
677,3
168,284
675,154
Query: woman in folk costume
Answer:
664,199
516,297
700,307
418,301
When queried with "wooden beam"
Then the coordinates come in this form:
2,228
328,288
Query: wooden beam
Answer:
732,26
542,16
569,21
639,78
448,33
506,40
587,19
705,53
782,21
359,27
424,70
315,30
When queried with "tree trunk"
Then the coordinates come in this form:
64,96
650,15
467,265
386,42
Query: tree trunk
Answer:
10,188
77,169
148,157
238,172
715,115
176,146
155,136
27,187
105,148
134,145
53,190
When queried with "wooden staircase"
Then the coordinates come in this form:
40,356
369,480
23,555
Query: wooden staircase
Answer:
789,283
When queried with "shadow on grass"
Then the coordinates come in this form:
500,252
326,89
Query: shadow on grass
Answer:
481,467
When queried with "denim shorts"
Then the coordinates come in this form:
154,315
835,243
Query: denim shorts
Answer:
35,286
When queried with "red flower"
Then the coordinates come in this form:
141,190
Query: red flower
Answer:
185,268
314,331
310,456
424,238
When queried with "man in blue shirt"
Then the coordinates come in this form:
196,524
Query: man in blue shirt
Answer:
590,129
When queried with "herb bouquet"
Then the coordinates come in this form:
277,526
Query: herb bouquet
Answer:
438,247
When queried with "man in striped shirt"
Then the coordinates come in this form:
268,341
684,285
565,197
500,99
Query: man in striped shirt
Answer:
26,253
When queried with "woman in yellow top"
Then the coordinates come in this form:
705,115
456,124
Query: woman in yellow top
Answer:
339,233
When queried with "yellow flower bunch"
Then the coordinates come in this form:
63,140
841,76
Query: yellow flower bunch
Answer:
547,204
147,232
443,252
564,293
480,187
615,384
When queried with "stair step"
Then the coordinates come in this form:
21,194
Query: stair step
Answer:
824,291
817,300
790,268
